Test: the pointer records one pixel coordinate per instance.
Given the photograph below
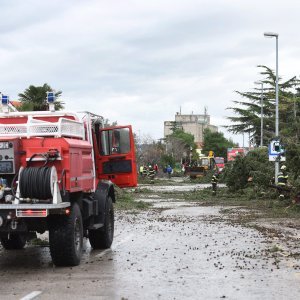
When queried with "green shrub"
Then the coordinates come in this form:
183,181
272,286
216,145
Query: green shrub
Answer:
252,170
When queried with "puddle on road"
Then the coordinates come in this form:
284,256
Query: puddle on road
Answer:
170,204
192,211
165,203
157,200
178,188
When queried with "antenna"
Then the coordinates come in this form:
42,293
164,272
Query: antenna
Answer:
205,114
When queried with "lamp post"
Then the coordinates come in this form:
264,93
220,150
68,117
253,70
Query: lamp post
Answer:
271,35
295,110
261,112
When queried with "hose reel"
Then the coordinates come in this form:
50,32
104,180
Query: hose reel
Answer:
37,182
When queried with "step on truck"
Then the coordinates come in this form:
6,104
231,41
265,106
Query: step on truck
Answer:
57,174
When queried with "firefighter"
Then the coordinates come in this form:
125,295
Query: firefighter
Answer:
145,171
141,170
151,173
214,182
282,181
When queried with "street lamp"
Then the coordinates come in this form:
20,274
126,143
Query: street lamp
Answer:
261,112
271,35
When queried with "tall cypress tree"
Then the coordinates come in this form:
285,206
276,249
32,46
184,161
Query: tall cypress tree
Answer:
248,110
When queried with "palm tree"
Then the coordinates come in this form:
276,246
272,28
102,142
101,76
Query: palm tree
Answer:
35,98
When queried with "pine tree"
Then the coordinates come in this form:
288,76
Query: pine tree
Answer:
248,118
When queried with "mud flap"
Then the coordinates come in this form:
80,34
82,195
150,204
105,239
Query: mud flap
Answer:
104,189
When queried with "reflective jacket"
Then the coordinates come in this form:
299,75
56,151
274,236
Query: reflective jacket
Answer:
151,172
214,179
282,179
145,171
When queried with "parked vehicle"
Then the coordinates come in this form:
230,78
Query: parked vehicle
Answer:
56,174
200,167
232,153
219,163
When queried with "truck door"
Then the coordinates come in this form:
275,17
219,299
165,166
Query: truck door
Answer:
117,156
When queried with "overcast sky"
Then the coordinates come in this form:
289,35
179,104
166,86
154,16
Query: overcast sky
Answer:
137,62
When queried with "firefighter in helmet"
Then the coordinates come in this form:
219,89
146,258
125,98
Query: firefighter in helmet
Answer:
214,182
282,181
145,171
151,173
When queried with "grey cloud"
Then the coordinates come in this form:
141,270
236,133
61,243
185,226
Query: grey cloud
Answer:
139,61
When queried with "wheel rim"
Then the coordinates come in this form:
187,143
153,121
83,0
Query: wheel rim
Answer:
77,235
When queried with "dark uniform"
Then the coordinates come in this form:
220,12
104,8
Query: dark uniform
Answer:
214,182
151,173
145,172
282,181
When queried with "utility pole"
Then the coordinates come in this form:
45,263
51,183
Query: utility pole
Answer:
261,112
275,35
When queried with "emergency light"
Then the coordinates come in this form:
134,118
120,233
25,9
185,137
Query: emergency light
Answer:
50,97
4,99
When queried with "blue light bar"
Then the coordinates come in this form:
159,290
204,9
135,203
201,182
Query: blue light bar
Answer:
50,97
4,100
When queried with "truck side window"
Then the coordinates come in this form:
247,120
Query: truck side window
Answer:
115,141
104,143
124,140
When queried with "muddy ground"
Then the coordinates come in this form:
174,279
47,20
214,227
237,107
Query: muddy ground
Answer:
170,246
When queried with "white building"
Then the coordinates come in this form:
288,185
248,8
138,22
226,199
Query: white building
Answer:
193,124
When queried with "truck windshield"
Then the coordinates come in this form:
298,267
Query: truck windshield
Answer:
115,141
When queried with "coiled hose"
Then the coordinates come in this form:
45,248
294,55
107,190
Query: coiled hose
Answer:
35,183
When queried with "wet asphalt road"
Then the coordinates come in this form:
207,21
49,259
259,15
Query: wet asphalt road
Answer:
180,252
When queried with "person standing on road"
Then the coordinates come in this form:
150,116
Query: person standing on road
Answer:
214,182
145,171
282,181
169,171
141,170
151,173
156,168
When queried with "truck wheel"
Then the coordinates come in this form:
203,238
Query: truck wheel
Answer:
102,238
66,238
13,241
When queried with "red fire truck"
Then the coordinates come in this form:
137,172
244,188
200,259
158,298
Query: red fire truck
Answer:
219,163
57,171
232,153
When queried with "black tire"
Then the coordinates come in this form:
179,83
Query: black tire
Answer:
66,238
102,238
13,241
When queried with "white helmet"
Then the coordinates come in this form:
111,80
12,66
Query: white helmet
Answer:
283,167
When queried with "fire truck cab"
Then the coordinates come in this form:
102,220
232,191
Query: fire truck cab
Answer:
57,174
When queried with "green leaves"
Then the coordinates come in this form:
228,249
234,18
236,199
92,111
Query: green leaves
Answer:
254,165
247,112
35,98
181,144
217,142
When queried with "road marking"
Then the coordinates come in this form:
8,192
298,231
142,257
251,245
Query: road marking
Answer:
32,295
116,245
